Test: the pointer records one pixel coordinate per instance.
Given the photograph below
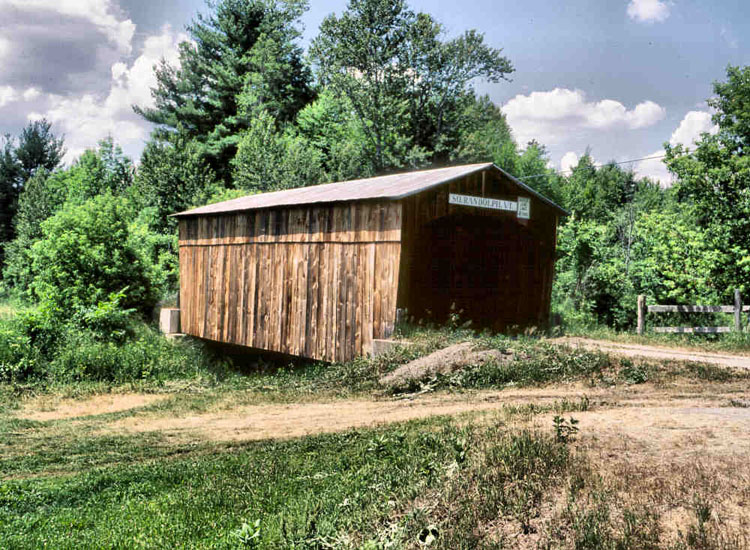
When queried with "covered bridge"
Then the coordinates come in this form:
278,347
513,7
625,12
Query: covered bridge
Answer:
320,271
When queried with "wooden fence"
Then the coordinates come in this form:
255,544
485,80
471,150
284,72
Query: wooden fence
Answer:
737,309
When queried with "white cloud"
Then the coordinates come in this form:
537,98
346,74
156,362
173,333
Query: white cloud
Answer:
31,94
9,95
87,119
569,161
654,168
551,116
690,129
648,11
103,13
4,47
692,126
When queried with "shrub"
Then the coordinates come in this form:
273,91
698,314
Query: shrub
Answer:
86,254
147,355
18,361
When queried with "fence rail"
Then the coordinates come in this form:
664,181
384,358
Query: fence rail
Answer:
737,309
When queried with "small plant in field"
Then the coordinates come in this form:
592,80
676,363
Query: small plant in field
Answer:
565,430
428,536
633,374
249,535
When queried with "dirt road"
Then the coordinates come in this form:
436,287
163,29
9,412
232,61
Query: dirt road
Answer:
672,415
658,352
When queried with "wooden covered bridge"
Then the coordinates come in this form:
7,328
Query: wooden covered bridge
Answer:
320,271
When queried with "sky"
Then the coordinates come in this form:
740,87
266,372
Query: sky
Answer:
618,78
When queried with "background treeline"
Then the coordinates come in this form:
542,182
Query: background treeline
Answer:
89,250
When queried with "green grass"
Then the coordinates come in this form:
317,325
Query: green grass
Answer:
468,482
459,483
306,493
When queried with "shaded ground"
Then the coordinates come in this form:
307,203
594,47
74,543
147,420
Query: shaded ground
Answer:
658,352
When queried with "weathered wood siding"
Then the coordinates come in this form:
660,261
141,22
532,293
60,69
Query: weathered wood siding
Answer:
319,282
496,267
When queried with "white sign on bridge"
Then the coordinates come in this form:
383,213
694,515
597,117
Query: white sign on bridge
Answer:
522,207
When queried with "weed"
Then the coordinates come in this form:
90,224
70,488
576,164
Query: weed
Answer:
633,374
565,430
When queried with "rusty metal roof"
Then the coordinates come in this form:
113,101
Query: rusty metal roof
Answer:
393,187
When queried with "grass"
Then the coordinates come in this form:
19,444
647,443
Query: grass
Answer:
475,481
251,381
466,483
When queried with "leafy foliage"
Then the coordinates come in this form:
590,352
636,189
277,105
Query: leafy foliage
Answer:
243,53
405,85
170,178
37,149
715,180
269,160
85,253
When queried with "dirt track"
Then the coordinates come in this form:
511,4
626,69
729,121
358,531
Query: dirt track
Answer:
656,352
670,416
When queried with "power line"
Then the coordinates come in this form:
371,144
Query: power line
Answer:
595,166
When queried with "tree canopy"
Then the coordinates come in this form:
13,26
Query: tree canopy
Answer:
406,85
243,54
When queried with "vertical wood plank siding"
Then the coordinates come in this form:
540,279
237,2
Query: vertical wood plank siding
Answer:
319,281
498,269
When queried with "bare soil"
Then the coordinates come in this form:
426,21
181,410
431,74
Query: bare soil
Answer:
648,414
55,408
658,352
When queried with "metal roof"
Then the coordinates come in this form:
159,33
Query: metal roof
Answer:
393,187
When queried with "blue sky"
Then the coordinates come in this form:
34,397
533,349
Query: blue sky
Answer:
620,77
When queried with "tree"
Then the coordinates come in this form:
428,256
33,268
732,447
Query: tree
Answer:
43,195
268,160
86,254
404,83
331,128
105,170
169,179
10,178
714,179
485,135
596,193
37,149
243,54
100,170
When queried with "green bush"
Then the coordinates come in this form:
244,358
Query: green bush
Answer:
86,253
147,355
99,343
17,363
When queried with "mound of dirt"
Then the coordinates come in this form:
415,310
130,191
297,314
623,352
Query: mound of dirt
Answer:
444,361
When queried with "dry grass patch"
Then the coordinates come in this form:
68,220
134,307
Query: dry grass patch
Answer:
52,407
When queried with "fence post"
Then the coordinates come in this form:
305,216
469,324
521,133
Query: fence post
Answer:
737,310
642,314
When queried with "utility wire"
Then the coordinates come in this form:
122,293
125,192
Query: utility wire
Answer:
595,166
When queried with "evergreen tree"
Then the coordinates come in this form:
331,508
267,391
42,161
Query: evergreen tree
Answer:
243,54
37,149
